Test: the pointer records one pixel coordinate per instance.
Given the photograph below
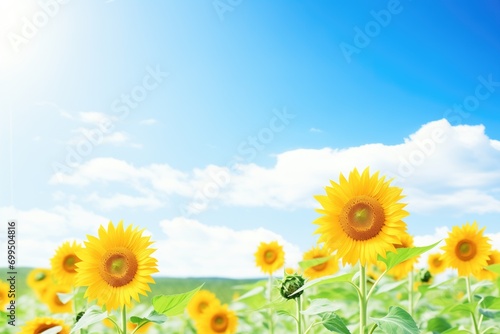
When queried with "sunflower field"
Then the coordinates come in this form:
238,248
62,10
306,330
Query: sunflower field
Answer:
361,278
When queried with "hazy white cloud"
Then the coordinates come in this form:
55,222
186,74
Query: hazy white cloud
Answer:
194,249
149,121
120,200
315,130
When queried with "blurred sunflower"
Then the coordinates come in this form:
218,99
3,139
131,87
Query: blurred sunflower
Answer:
39,325
436,263
64,263
130,326
51,299
39,279
485,274
4,295
200,302
116,266
329,267
466,249
403,269
217,319
269,257
362,217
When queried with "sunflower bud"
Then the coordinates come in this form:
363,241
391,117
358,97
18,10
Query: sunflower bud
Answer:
425,276
290,284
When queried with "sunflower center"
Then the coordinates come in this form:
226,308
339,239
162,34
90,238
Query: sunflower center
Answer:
465,250
118,267
321,266
219,323
43,327
362,218
270,256
202,306
69,263
40,276
437,262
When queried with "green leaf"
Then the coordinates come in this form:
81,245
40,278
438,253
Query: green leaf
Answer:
151,317
403,254
494,268
255,291
390,286
397,321
438,325
172,305
324,280
53,330
313,262
455,330
320,305
491,302
334,324
92,315
465,307
285,313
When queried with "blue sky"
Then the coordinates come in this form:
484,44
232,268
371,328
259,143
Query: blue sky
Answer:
220,120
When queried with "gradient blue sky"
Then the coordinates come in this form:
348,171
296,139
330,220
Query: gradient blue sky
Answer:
228,73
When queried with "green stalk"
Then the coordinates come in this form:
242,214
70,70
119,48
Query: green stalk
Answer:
124,319
299,314
469,295
271,325
362,300
410,293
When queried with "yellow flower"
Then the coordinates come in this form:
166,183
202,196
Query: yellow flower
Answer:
116,266
484,274
401,270
64,263
362,217
270,257
39,279
466,249
436,263
52,300
217,319
39,325
200,302
329,267
4,295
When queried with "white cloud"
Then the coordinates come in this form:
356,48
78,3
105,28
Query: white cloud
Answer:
120,200
195,249
315,130
150,121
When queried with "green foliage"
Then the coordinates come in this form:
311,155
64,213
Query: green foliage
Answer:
397,321
174,304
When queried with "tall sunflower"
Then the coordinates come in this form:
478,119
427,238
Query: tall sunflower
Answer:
401,270
52,300
4,295
329,267
39,325
217,319
202,300
436,263
39,279
485,274
270,257
116,266
466,249
64,263
362,217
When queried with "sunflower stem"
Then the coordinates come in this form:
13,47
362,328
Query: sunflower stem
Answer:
124,319
470,297
270,296
362,300
373,328
410,293
299,314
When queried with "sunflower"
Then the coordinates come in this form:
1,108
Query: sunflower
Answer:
485,274
329,267
64,263
52,300
269,257
466,249
116,266
130,326
200,302
39,325
401,270
217,319
39,279
362,217
4,295
436,263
